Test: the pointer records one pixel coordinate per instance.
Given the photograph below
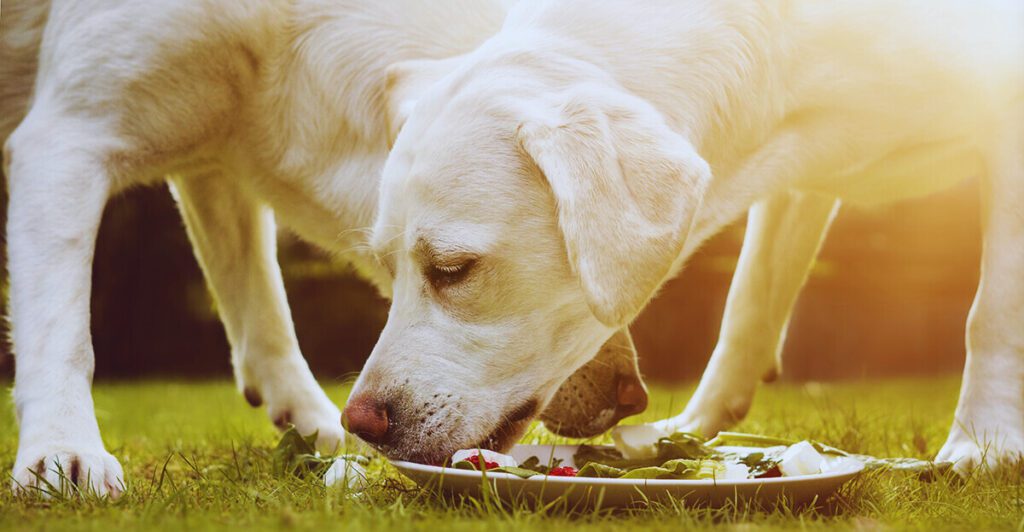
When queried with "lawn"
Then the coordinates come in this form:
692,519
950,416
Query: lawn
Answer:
197,456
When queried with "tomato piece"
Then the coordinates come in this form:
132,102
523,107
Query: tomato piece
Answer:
564,471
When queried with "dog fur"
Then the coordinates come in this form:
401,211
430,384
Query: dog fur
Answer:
569,166
292,107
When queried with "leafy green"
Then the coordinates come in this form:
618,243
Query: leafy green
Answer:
684,456
681,445
758,464
296,454
678,469
598,470
465,464
533,464
679,456
521,472
587,454
517,471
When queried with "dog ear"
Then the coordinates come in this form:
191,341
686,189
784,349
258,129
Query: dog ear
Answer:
627,189
609,383
406,81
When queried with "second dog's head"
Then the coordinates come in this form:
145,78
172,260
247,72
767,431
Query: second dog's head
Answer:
527,213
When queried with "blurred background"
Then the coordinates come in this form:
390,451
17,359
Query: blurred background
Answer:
888,297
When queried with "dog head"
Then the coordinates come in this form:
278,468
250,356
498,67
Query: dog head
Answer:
525,219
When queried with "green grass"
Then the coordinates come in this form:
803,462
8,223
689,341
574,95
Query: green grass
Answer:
196,456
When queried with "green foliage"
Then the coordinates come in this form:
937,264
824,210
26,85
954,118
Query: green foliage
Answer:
678,446
296,455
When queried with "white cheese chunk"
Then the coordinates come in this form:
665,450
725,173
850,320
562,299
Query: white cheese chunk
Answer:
736,471
800,459
503,460
637,442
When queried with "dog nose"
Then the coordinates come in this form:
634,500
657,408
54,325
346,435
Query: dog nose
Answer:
367,418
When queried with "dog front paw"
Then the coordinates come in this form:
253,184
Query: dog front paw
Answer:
708,414
309,414
980,450
293,397
66,470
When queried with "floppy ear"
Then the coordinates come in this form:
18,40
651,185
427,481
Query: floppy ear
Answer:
627,188
406,81
599,394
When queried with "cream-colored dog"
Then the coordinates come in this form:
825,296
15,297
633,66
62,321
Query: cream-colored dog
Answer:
540,193
545,182
242,106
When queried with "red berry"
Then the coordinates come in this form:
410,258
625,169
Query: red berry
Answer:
475,460
564,471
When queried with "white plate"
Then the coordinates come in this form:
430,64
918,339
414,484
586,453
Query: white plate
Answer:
625,492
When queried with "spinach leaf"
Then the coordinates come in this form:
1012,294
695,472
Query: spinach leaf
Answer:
683,445
517,471
296,454
533,464
599,470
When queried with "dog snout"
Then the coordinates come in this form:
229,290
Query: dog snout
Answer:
367,418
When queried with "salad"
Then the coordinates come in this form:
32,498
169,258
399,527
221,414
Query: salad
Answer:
678,456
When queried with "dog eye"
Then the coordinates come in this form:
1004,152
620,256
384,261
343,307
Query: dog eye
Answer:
442,275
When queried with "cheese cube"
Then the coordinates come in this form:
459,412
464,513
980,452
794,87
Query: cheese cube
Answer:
800,459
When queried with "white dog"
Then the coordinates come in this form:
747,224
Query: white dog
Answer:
595,112
541,192
241,106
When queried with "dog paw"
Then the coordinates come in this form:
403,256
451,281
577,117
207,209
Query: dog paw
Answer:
311,414
293,397
709,414
59,471
989,450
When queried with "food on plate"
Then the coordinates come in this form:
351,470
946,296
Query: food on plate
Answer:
683,456
502,463
637,442
801,458
490,457
564,471
679,456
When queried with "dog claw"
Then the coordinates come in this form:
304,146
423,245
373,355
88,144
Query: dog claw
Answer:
283,420
252,397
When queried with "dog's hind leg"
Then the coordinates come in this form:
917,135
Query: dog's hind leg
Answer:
988,427
59,181
235,241
783,237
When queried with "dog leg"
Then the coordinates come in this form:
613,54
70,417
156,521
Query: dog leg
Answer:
988,427
783,237
235,241
58,186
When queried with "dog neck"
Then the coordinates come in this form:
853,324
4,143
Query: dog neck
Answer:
713,76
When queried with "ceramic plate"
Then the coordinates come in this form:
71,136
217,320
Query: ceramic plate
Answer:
625,492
